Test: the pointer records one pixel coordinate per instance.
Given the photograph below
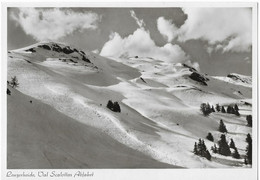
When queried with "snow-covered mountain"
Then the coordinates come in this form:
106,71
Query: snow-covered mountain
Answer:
159,122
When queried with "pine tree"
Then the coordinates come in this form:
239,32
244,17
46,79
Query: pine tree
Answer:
236,113
110,105
245,161
229,109
249,120
223,109
223,146
236,154
222,128
8,91
217,107
117,107
195,150
236,107
205,109
214,148
249,149
232,144
210,137
14,82
212,109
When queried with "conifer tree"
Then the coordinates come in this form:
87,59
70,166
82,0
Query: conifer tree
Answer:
14,82
117,107
217,107
232,144
222,128
236,113
236,107
212,109
8,91
195,150
223,146
110,105
223,109
249,120
236,154
249,149
210,137
205,109
214,148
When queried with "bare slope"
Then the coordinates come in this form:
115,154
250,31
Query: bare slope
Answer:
41,137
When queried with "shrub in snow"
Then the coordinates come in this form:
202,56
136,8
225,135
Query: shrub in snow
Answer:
210,137
222,128
249,120
223,146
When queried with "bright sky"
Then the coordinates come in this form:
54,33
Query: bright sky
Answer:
216,40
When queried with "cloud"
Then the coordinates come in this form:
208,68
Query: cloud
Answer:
139,22
140,44
227,28
167,28
52,24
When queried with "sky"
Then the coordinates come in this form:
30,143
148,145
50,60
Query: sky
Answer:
216,41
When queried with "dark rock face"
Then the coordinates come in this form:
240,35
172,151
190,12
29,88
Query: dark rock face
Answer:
67,50
56,48
85,59
190,68
44,46
82,52
199,78
30,50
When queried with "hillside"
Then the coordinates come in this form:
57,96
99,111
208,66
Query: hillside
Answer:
159,102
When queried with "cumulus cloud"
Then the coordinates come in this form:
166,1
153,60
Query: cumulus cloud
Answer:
52,24
167,28
227,28
139,22
140,44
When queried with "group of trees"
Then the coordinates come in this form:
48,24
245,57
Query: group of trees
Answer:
230,109
224,149
113,106
233,110
200,149
206,109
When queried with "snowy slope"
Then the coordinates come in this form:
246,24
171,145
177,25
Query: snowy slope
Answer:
159,102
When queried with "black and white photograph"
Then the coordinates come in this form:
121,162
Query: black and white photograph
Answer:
128,87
